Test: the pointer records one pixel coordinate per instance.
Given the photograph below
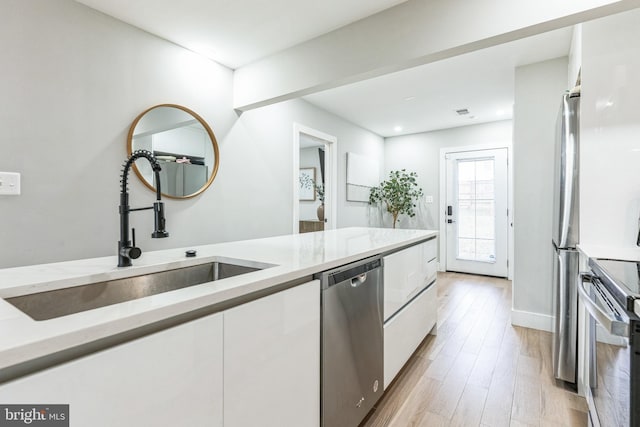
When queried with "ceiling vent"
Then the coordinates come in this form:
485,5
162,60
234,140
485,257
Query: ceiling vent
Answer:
462,111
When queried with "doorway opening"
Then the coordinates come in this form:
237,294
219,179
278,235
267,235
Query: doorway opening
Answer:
314,180
475,201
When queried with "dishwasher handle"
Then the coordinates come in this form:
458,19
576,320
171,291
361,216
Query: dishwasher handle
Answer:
358,280
355,274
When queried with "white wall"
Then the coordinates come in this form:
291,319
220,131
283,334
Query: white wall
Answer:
72,82
421,153
538,91
309,159
610,131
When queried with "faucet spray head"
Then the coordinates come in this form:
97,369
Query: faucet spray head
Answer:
159,230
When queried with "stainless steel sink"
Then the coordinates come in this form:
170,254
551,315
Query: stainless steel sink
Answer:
61,302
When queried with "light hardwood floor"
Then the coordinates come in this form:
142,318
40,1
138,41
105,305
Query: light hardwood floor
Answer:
479,370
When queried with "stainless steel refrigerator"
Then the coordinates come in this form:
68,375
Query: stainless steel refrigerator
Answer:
565,238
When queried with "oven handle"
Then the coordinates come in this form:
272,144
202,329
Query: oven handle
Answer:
613,323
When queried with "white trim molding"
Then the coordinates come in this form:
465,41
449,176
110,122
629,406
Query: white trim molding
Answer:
527,319
331,175
443,199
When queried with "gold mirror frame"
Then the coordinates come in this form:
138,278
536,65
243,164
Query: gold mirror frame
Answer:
204,125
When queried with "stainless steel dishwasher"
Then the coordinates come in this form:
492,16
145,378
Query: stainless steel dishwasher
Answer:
352,347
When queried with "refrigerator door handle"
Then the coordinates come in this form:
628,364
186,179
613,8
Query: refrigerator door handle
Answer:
566,315
561,295
566,203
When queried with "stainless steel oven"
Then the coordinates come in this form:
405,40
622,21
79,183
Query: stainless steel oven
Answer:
613,359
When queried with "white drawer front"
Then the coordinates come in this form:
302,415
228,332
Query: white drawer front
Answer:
402,277
406,330
432,271
430,249
406,273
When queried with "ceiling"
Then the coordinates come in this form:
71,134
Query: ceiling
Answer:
416,100
237,32
426,98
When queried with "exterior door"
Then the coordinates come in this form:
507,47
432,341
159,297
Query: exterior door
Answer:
476,212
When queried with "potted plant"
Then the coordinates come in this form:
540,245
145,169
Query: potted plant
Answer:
308,182
398,194
319,187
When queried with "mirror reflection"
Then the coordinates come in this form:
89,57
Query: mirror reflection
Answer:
184,145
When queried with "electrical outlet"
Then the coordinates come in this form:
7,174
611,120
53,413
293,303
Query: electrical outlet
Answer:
429,199
9,184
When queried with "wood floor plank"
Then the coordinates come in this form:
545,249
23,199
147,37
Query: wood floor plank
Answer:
531,343
469,410
415,407
497,408
546,350
561,407
526,401
462,366
495,331
433,420
516,423
440,366
529,367
482,371
398,392
474,342
447,397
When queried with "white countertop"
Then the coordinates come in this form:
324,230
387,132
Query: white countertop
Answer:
630,253
295,256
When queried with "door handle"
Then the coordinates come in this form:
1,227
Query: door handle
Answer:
358,280
449,210
613,323
561,292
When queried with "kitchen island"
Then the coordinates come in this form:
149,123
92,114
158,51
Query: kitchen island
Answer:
229,346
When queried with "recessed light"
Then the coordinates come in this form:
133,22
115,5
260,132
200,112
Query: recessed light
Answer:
398,128
462,111
410,98
609,104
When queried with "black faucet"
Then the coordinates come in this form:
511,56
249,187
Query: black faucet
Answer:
126,249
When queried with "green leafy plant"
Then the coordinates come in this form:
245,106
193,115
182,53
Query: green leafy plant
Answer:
398,194
319,190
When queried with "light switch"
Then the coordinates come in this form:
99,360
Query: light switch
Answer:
9,184
428,199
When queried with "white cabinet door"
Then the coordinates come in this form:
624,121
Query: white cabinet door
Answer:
406,330
272,360
169,378
406,273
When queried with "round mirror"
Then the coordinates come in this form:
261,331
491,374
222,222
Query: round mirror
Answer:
184,145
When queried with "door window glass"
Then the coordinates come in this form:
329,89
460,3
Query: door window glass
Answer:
476,210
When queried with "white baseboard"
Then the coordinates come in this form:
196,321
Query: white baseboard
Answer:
527,319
